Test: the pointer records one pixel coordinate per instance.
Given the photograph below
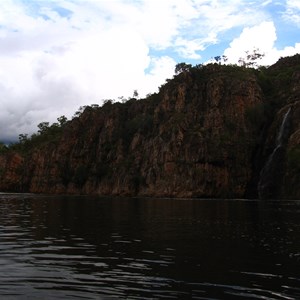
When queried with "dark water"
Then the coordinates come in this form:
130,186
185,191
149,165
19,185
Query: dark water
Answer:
103,248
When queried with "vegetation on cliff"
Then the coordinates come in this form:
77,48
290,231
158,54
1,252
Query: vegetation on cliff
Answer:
207,133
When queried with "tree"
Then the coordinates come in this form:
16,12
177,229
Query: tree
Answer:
199,66
62,120
182,67
3,147
220,59
43,127
251,59
94,106
135,94
23,138
108,102
122,99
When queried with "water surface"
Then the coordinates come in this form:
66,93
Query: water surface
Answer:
54,247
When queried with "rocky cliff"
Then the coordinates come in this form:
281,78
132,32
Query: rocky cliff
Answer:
210,132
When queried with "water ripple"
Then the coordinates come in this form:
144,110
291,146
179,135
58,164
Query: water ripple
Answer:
61,248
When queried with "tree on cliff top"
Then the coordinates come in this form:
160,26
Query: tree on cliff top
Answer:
251,59
43,127
182,67
3,147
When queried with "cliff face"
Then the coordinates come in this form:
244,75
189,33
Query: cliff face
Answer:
207,133
11,172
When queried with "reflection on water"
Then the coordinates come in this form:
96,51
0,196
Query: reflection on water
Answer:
109,248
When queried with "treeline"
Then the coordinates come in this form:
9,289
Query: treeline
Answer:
247,65
45,133
51,133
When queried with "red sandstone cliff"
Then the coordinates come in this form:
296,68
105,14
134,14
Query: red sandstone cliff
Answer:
205,134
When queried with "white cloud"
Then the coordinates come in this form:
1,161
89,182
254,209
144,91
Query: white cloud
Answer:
160,69
267,2
189,48
56,55
292,12
263,38
208,20
52,65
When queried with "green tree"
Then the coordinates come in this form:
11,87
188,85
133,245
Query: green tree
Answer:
122,99
62,120
43,127
182,67
3,147
94,106
79,112
135,94
108,102
251,59
220,59
23,138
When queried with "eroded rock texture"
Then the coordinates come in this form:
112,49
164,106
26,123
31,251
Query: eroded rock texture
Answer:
209,132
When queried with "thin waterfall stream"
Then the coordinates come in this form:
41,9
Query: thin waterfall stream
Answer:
271,174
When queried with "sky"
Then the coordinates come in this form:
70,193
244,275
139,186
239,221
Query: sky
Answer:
58,55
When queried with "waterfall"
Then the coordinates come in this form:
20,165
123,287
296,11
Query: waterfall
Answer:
272,172
284,129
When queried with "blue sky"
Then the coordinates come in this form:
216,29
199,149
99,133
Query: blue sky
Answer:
58,55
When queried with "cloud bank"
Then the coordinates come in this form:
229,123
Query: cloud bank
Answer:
262,37
58,55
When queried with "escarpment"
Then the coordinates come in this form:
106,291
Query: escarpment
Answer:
209,132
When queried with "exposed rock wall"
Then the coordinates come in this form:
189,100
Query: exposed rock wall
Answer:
11,167
198,137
